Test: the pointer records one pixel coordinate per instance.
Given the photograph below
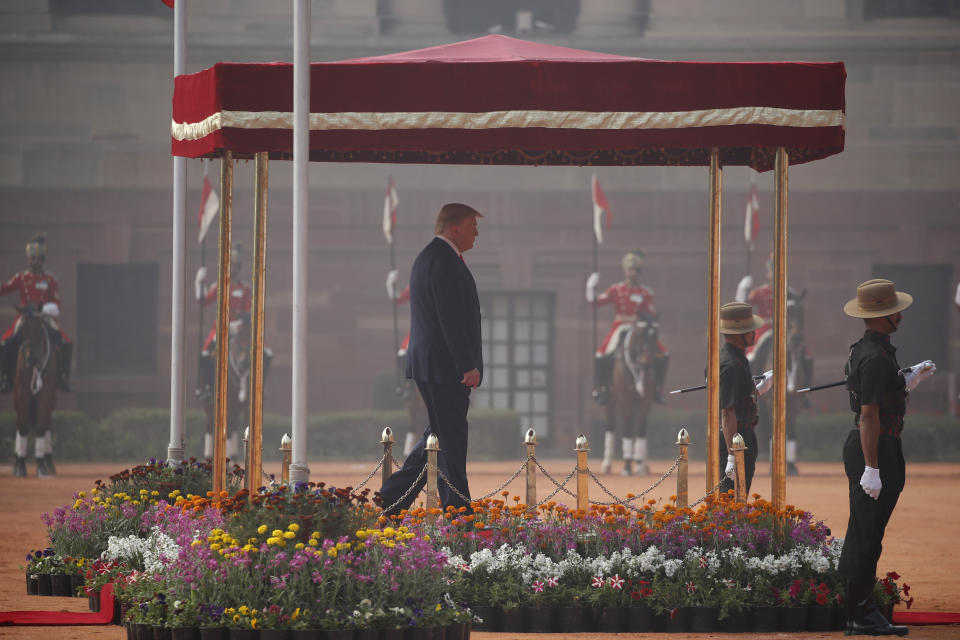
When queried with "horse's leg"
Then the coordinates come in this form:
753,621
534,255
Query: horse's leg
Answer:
44,404
208,431
21,402
791,411
626,394
611,425
641,413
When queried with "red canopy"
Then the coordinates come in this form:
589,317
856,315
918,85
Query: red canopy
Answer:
498,100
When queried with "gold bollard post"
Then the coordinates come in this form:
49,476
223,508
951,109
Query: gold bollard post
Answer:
683,496
386,439
583,497
433,449
530,439
286,453
739,474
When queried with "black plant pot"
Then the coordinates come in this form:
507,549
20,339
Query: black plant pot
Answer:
60,585
214,633
568,619
539,619
639,620
793,619
44,586
737,622
284,634
161,632
511,620
764,619
820,618
677,620
315,634
454,631
76,581
184,633
703,619
420,633
31,584
138,631
358,634
611,619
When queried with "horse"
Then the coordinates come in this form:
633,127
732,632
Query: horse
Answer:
631,395
799,375
237,391
35,390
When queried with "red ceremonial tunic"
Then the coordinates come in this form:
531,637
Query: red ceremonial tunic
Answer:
404,298
628,300
34,288
241,301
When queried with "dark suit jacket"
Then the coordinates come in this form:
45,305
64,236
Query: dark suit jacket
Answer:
444,317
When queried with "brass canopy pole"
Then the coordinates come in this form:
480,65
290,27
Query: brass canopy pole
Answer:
255,459
778,449
223,326
713,325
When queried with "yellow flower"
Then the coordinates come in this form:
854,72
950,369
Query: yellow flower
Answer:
276,533
315,535
253,623
295,614
294,527
289,535
438,607
298,546
389,532
244,609
236,617
216,532
196,543
262,529
313,542
362,534
82,494
332,552
214,546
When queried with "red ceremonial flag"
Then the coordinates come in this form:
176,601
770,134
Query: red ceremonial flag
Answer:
390,210
209,206
751,222
600,207
169,3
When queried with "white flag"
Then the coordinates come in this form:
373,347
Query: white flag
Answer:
209,206
390,210
751,220
600,207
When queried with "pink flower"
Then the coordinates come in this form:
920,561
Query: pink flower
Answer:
616,582
537,586
703,562
691,587
598,581
552,582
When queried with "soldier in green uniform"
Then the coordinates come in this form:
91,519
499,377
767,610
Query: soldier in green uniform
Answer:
738,394
873,453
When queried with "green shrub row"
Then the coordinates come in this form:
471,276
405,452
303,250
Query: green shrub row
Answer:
820,436
137,434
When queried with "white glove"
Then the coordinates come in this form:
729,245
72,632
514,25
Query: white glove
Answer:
743,289
392,284
730,465
918,373
870,481
198,282
764,385
592,282
51,309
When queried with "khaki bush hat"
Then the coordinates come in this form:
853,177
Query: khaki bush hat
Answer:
738,317
877,298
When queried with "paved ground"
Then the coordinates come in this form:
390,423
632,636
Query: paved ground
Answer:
919,543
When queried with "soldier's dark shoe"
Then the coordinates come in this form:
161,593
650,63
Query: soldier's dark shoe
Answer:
601,396
874,624
204,395
42,471
51,468
792,469
20,467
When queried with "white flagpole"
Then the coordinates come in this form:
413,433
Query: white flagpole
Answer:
177,387
299,471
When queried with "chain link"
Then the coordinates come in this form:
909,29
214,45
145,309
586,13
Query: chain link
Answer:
413,486
560,487
551,478
708,493
626,503
375,469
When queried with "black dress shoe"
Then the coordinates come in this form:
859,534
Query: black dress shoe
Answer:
20,467
874,624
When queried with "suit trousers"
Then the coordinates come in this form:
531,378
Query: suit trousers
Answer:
749,460
863,542
447,406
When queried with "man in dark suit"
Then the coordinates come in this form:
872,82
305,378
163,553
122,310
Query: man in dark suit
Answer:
444,356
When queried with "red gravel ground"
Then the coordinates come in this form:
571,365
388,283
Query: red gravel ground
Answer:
918,544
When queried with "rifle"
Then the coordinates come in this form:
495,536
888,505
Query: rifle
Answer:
830,385
703,386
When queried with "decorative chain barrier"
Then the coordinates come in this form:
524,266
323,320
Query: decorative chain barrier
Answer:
558,485
709,493
627,502
375,469
406,494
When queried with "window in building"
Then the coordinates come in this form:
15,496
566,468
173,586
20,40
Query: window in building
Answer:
117,318
518,334
65,8
879,9
511,16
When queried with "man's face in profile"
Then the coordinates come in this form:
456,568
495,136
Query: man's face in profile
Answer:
464,234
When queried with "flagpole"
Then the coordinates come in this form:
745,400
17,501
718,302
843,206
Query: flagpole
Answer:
396,328
593,304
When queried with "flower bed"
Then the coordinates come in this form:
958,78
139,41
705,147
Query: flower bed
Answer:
318,557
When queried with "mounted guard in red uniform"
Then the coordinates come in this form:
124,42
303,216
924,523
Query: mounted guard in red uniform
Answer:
40,288
630,299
